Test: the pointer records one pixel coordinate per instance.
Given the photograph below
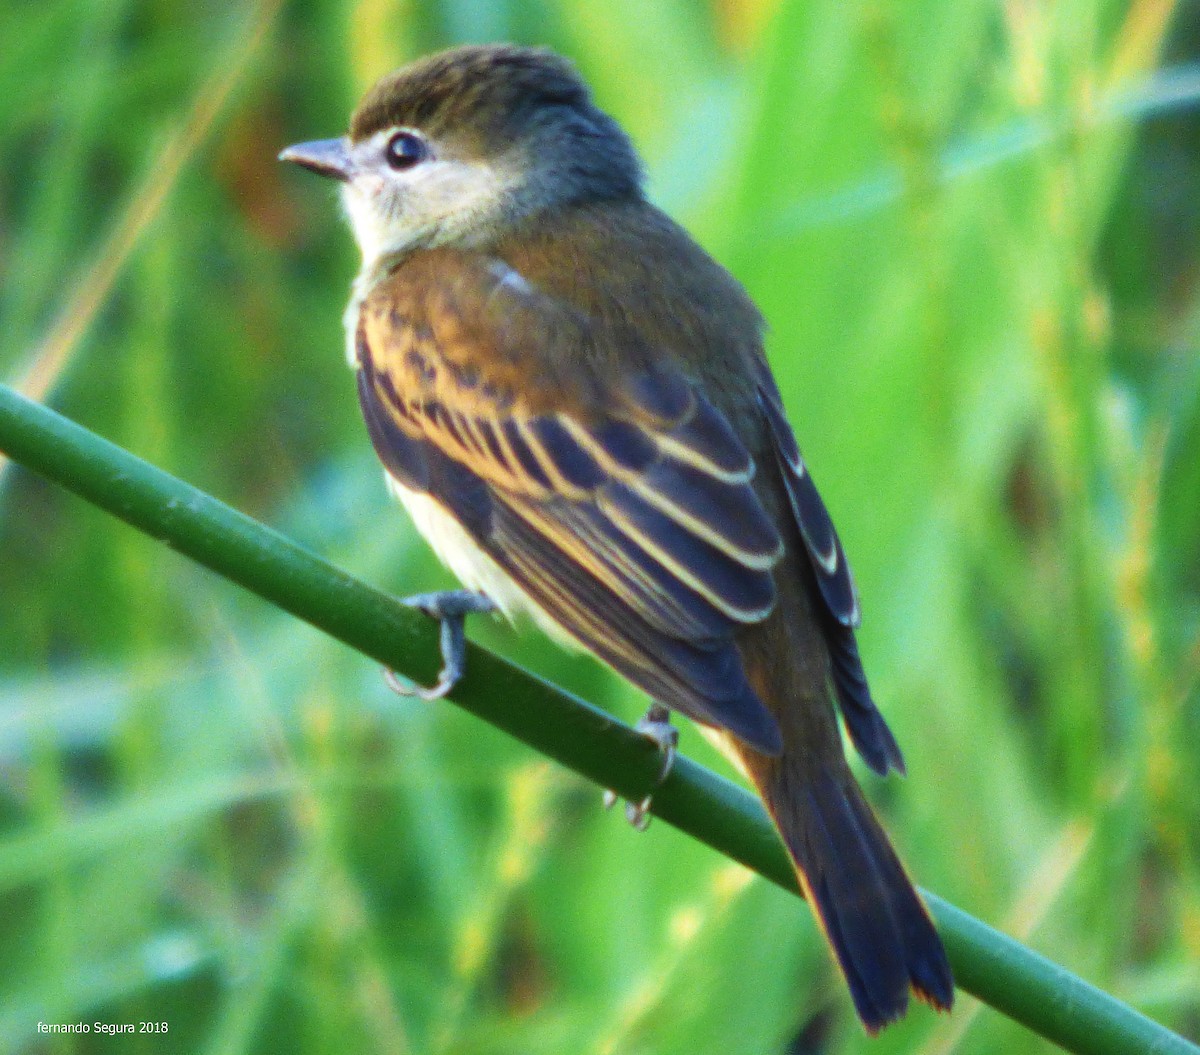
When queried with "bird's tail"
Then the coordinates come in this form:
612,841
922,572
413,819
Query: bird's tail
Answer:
872,916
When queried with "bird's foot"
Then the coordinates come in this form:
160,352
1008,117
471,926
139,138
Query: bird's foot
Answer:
655,725
450,608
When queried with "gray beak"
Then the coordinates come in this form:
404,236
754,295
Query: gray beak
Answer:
326,157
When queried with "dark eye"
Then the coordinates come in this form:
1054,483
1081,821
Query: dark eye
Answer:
404,150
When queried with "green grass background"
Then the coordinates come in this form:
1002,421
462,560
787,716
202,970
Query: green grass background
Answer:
974,229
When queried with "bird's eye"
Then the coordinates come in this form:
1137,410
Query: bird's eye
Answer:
404,150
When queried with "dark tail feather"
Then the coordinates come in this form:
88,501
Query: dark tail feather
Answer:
869,733
880,930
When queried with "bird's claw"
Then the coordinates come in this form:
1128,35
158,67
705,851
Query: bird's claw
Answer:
655,725
450,608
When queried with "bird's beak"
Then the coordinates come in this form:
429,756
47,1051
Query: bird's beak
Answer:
326,157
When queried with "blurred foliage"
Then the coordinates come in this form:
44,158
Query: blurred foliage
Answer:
973,227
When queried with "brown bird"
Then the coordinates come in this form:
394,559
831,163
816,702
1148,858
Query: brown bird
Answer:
572,400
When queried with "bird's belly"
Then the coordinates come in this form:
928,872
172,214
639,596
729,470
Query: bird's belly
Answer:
470,564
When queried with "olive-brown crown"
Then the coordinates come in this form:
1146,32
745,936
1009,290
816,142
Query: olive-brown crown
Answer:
491,98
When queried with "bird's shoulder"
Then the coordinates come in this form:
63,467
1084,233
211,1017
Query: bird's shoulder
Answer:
464,323
653,299
558,309
628,264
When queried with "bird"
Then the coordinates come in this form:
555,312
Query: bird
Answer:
573,401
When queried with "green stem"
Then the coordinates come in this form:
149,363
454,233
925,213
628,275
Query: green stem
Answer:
1016,981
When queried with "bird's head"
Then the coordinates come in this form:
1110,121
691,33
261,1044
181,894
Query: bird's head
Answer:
465,145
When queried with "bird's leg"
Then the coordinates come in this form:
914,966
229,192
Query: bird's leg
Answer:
450,608
656,725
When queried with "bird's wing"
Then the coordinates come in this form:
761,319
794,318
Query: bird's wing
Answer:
623,507
812,518
868,730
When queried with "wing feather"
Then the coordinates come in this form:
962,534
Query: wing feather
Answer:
706,681
625,513
864,722
824,548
